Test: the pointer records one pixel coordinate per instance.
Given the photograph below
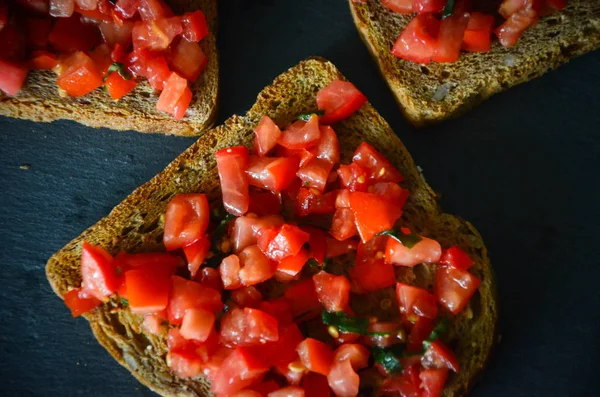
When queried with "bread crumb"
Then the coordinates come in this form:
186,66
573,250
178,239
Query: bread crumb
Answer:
25,166
441,92
510,60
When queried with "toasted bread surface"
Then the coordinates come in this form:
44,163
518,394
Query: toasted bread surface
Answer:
431,93
39,100
135,225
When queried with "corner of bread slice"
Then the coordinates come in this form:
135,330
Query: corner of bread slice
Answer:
39,100
428,94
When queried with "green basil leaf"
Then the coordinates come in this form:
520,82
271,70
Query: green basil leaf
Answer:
437,332
345,323
306,116
448,9
124,302
387,358
119,68
221,229
407,240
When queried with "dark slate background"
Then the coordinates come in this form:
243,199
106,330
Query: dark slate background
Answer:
523,168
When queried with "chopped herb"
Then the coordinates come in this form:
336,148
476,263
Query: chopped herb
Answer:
221,229
124,302
306,116
119,68
306,184
439,329
449,9
345,323
407,240
387,358
313,263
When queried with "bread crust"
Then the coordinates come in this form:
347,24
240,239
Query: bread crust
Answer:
135,225
419,89
40,101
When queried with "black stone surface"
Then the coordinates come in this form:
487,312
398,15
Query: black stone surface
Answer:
522,167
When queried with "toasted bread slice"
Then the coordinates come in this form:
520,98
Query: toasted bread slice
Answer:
136,225
39,99
438,91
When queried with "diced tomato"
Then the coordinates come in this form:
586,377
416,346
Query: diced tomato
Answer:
197,324
370,272
342,379
378,168
264,203
316,242
292,376
452,31
413,300
97,271
357,354
187,59
119,54
232,163
79,302
114,34
278,308
509,7
513,28
186,294
343,225
456,258
175,90
315,173
477,37
186,220
157,72
271,173
453,288
283,351
12,77
333,291
311,201
340,100
62,8
43,60
328,147
137,62
212,365
428,6
425,251
303,299
79,75
37,31
301,134
343,199
118,87
338,248
286,241
230,272
315,385
290,391
406,385
14,43
419,332
127,8
243,233
247,296
373,214
290,267
418,40
182,104
248,327
439,356
383,334
304,155
93,14
399,6
186,364
153,323
154,9
210,277
101,57
267,133
195,27
166,260
353,177
255,266
70,34
432,381
156,35
148,288
315,355
195,254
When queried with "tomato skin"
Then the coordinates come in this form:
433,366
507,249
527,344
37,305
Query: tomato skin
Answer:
315,385
316,242
265,203
79,75
195,254
230,272
290,267
340,99
405,385
373,214
454,288
186,220
315,355
42,60
314,174
98,271
439,356
255,266
247,297
343,380
333,291
79,302
279,243
114,34
195,27
301,134
186,294
418,40
232,163
378,168
477,37
148,288
328,147
153,9
420,331
245,229
456,258
279,309
303,299
210,277
425,251
248,327
197,324
432,6
370,272
187,59
70,35
337,248
432,382
12,77
185,364
353,177
271,173
156,35
416,301
267,133
282,352
175,97
118,87
127,8
157,72
450,38
290,391
513,28
343,225
399,6
311,201
304,155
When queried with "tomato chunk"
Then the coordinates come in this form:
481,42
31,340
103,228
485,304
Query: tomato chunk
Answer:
267,134
416,301
153,9
230,272
333,291
118,87
432,382
453,288
418,40
378,168
315,355
70,34
456,258
370,272
175,97
290,267
373,214
187,59
279,243
477,37
340,99
357,354
342,379
272,173
79,76
301,134
232,163
186,364
314,174
290,391
156,35
328,147
279,309
426,6
195,254
246,227
148,288
311,201
37,31
255,266
399,6
186,220
452,31
513,28
195,27
197,324
12,77
79,302
42,60
303,299
98,271
315,385
439,356
186,294
337,248
425,251
353,177
248,327
157,72
343,225
247,297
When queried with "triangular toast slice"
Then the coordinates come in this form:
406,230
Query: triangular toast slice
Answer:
136,225
431,93
39,100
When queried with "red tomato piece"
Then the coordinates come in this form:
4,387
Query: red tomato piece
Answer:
118,87
79,76
337,248
343,225
195,254
166,260
153,323
127,8
304,155
137,62
315,355
314,174
311,201
267,134
37,31
290,267
210,277
328,147
101,55
197,324
245,228
399,6
230,272
557,4
114,34
175,90
182,104
232,163
453,288
373,214
79,302
187,59
151,10
477,37
70,34
156,35
12,77
378,168
315,385
272,173
413,300
513,28
247,297
186,294
157,72
432,382
186,220
93,14
425,251
265,203
439,356
148,288
405,385
14,43
185,364
98,271
340,100
333,291
301,134
264,388
62,8
279,309
342,379
358,355
287,241
43,60
292,377
353,177
290,391
418,40
316,243
195,27
419,332
248,327
428,6
456,258
255,266
452,31
303,299
370,272
343,199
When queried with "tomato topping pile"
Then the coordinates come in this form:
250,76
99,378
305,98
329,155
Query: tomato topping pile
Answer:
94,43
442,28
269,302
